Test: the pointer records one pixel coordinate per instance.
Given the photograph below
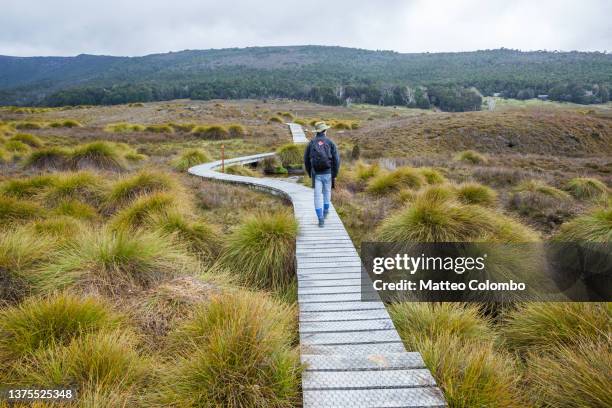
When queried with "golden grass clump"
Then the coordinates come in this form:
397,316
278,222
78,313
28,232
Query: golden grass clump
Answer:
144,182
211,132
98,155
28,125
29,139
76,209
124,128
472,157
5,156
115,262
49,158
595,226
81,186
262,249
159,129
27,187
402,177
236,130
189,158
240,170
60,228
68,123
432,176
290,154
474,193
14,210
275,119
16,146
536,327
257,332
141,212
540,187
364,172
586,188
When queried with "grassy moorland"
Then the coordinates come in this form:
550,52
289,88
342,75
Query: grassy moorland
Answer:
124,277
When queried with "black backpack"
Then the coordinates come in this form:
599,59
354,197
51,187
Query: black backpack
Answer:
320,154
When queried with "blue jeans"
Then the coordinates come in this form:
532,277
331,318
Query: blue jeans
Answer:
322,192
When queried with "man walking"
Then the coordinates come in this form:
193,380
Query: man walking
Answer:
322,163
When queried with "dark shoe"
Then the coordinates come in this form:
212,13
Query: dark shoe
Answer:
321,222
325,214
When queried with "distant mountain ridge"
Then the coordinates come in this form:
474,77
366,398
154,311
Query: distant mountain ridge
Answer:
320,73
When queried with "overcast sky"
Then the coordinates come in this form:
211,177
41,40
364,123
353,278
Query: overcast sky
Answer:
139,27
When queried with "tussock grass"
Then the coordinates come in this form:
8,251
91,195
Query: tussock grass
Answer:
595,226
42,322
124,128
16,146
75,209
432,176
536,327
159,129
364,172
541,187
262,250
21,251
474,193
402,177
115,262
62,228
5,156
287,115
275,119
99,155
189,158
290,154
17,210
29,139
49,158
472,157
236,130
141,212
68,123
240,171
263,369
472,374
28,125
435,194
416,321
182,127
585,188
82,186
131,187
576,376
211,132
27,187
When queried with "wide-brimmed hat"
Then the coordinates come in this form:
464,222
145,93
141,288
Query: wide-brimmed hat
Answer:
321,126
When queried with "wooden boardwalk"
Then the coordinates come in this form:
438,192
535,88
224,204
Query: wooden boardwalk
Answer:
353,354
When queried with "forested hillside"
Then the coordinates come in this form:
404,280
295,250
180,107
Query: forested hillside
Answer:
328,75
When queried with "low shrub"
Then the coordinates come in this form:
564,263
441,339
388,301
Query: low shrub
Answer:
474,193
98,155
595,226
115,262
577,376
471,156
262,250
17,210
49,158
585,188
159,129
290,154
42,322
130,187
189,158
263,369
402,177
540,326
212,132
29,139
27,187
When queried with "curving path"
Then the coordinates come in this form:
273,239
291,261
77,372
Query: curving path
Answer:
353,354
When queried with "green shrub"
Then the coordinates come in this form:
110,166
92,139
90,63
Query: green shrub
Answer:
395,180
595,226
140,212
262,250
27,187
577,376
472,374
21,251
190,158
99,155
49,158
474,193
16,146
240,171
236,130
124,128
263,371
432,176
29,139
471,156
17,210
115,263
585,188
212,132
39,323
290,154
159,129
144,182
540,326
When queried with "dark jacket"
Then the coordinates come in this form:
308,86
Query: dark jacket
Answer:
335,167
